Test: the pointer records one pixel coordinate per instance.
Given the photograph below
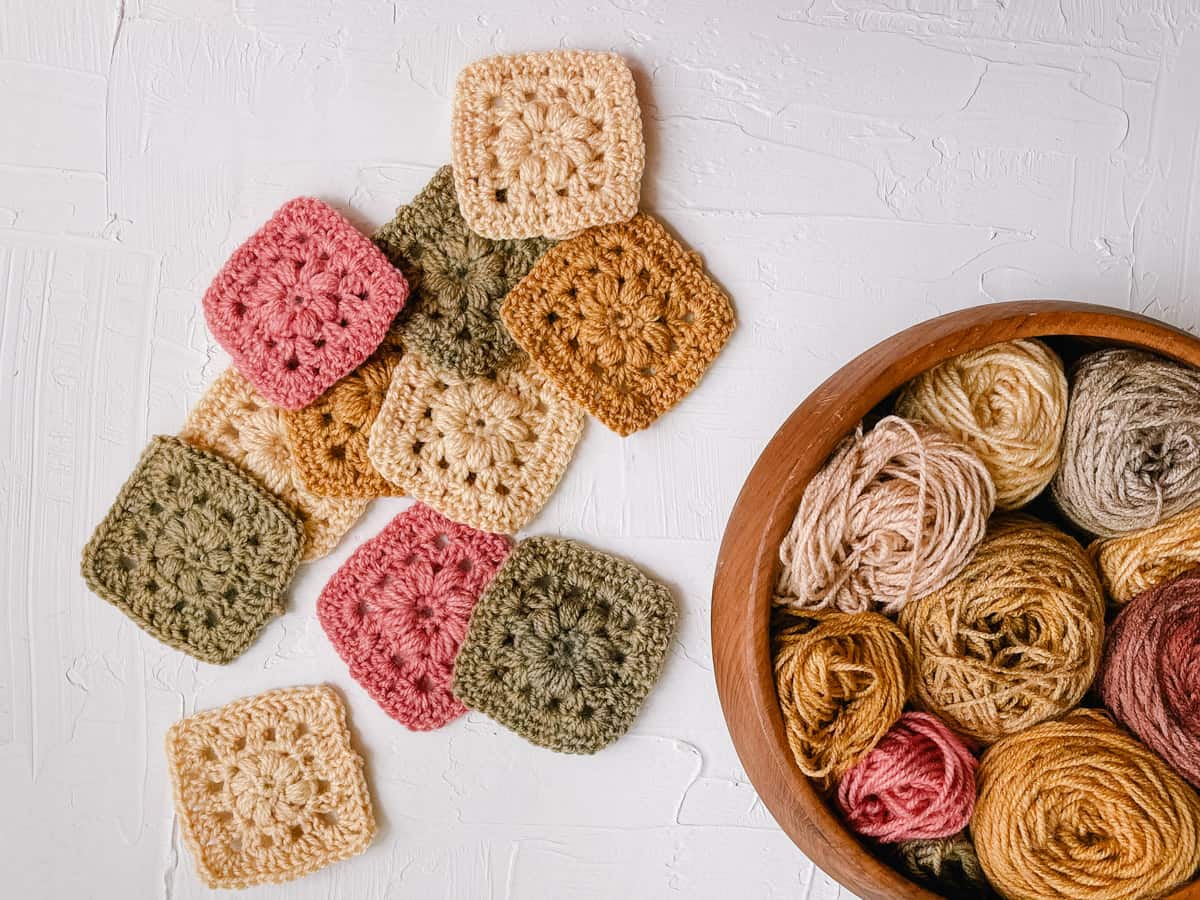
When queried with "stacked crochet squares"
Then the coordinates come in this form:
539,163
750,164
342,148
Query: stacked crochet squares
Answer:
452,357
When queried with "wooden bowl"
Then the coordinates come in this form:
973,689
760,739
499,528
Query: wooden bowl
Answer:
748,564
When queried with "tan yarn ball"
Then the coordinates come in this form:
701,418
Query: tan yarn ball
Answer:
1008,403
842,680
1078,808
893,515
1140,560
1015,638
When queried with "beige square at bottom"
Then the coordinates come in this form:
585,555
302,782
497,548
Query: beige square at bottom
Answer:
268,788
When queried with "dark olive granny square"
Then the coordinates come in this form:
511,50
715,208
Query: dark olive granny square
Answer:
194,552
564,645
457,279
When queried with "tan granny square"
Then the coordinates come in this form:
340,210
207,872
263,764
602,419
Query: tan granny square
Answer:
622,319
546,144
268,788
485,451
234,421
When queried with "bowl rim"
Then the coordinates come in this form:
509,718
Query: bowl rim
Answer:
747,561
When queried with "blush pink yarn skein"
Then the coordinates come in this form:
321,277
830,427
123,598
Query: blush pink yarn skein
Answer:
918,782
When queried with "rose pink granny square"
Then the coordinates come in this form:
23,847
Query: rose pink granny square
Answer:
303,302
397,611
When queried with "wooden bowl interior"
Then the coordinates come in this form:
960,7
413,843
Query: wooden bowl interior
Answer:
747,565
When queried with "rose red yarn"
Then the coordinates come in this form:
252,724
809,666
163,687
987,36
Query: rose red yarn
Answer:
397,611
1150,673
303,302
918,782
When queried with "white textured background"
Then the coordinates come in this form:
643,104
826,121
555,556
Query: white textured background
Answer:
847,168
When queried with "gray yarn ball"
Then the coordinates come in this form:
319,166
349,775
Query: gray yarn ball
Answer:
1131,449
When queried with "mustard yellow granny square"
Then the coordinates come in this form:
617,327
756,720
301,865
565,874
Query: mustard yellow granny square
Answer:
622,319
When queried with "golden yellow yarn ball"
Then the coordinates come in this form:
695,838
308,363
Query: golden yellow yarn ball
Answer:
1014,638
1078,808
1008,403
842,680
1137,561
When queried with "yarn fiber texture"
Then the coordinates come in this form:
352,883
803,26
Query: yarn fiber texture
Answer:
486,452
918,782
1150,674
234,421
269,788
892,516
329,437
947,865
623,319
565,645
546,144
456,280
1014,638
842,680
1078,808
1131,450
1008,403
303,302
397,611
194,551
1140,560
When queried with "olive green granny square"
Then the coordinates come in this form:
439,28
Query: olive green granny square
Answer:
194,551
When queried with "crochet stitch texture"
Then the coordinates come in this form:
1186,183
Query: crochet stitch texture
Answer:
234,421
194,551
456,280
486,452
397,611
565,645
269,788
622,319
302,302
546,144
329,436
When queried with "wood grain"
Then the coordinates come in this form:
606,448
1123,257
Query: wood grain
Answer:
747,566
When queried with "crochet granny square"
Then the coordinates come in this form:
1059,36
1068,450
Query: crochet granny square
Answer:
194,551
302,302
397,611
456,280
269,788
234,421
622,319
564,645
329,436
546,144
485,451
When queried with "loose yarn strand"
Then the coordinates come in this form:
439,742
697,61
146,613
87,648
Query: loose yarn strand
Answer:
892,516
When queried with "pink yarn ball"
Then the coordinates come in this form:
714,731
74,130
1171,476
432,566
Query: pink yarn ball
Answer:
918,782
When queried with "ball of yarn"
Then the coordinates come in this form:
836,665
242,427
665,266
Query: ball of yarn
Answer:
1150,672
948,865
1078,808
918,782
842,680
1015,638
1008,403
1135,562
1131,449
892,515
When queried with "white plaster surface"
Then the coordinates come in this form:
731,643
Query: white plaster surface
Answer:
847,168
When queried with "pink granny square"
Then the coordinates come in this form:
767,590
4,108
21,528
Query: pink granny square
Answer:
303,302
397,611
